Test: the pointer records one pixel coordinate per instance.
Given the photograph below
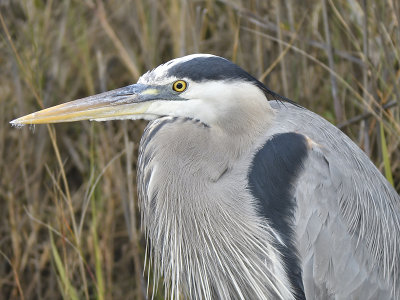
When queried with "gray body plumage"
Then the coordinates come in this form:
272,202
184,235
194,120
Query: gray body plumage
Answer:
346,220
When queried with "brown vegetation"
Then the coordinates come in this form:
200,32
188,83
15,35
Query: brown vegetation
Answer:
68,216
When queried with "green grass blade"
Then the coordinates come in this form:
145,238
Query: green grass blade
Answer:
385,155
70,292
98,257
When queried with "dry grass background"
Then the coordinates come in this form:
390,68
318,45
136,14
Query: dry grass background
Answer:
68,218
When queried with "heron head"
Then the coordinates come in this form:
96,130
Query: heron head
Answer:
200,86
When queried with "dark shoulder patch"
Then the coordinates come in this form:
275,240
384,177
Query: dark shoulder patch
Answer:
272,176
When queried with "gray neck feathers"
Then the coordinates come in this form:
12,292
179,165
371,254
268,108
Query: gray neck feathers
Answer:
206,240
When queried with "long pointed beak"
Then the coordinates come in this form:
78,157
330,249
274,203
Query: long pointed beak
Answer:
130,102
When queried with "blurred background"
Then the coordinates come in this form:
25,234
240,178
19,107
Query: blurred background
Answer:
69,225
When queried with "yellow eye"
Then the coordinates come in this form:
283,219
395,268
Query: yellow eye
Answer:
179,86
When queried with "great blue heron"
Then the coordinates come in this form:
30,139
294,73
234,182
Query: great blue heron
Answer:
245,198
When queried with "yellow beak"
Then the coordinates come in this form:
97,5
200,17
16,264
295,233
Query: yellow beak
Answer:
130,102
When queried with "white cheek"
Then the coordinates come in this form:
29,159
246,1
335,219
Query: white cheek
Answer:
196,109
211,101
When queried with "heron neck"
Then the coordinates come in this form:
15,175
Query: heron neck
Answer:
198,214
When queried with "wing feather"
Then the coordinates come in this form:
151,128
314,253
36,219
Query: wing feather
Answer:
347,218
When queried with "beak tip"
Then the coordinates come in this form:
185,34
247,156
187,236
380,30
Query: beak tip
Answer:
17,123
